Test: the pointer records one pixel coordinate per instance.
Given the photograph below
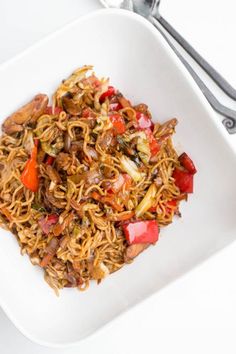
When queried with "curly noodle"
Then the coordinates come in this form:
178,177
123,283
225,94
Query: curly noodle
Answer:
72,226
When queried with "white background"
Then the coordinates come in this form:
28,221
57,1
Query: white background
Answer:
198,312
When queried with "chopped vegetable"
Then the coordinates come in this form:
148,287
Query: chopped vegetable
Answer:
183,180
130,167
51,250
147,202
115,106
118,123
154,146
38,207
49,160
49,110
29,142
171,203
60,227
187,163
47,222
152,209
143,146
30,177
110,92
144,121
118,184
128,181
141,232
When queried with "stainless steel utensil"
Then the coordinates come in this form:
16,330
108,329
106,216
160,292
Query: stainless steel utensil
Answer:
150,10
151,7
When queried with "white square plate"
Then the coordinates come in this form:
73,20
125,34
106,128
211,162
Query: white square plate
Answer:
133,54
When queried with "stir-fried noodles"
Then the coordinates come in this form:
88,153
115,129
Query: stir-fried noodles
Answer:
87,183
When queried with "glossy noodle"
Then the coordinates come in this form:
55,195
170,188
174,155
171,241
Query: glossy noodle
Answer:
78,175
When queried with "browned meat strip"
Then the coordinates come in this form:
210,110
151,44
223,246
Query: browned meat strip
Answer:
133,251
53,174
29,113
63,160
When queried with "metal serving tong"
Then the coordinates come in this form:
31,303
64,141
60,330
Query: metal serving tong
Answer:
150,10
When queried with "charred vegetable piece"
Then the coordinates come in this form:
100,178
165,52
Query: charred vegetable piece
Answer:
141,232
187,163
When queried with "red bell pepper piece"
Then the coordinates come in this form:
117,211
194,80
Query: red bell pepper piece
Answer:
47,222
187,163
29,176
183,180
141,232
153,144
115,106
36,142
49,160
152,209
118,123
110,92
144,121
88,113
57,110
171,204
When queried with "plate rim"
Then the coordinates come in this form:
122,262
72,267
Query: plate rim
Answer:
202,101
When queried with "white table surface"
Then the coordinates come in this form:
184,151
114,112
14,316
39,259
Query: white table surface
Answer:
197,313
